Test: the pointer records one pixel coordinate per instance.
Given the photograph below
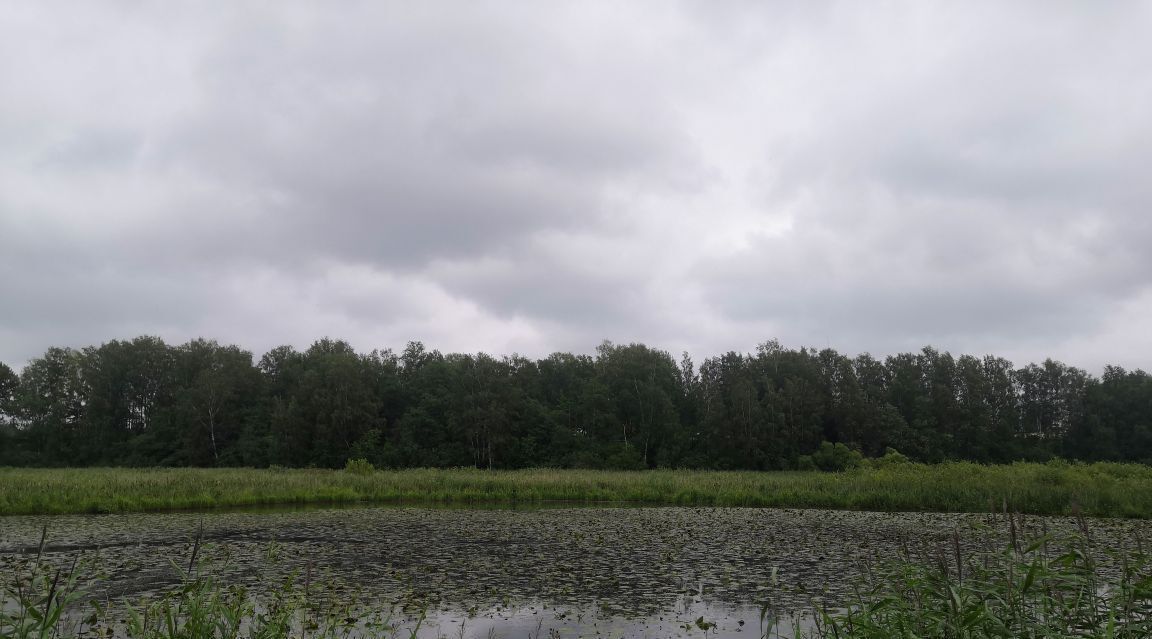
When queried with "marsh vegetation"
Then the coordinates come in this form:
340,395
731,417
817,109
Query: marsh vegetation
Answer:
1054,488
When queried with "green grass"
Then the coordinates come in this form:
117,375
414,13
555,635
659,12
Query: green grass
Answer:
1114,490
1044,588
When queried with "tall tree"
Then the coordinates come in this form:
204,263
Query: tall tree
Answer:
643,383
9,384
142,402
9,446
53,398
127,384
220,392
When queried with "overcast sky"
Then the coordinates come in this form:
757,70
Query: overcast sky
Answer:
540,176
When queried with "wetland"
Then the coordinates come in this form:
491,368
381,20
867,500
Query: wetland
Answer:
544,570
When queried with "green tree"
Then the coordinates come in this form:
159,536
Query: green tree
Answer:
9,386
128,383
1116,419
9,417
52,400
643,384
220,393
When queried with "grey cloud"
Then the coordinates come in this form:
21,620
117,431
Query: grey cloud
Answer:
987,191
964,275
545,176
102,150
540,287
397,151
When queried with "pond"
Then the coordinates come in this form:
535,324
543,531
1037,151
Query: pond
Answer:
542,571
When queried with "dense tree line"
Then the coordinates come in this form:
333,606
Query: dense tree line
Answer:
144,403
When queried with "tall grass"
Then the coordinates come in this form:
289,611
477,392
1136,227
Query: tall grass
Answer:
34,596
1044,588
1120,490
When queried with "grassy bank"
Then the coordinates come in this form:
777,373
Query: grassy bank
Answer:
1118,490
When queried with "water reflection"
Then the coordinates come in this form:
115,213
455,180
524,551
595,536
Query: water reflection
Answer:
687,618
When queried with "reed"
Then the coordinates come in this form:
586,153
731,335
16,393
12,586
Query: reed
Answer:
1042,588
1055,488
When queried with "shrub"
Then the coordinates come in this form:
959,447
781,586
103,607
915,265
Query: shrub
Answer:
359,467
892,457
836,457
626,457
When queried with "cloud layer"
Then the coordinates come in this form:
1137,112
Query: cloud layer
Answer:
508,177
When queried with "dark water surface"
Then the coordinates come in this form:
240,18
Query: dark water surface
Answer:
580,571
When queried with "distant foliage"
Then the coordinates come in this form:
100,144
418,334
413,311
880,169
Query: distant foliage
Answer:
891,457
359,467
806,463
836,457
146,403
